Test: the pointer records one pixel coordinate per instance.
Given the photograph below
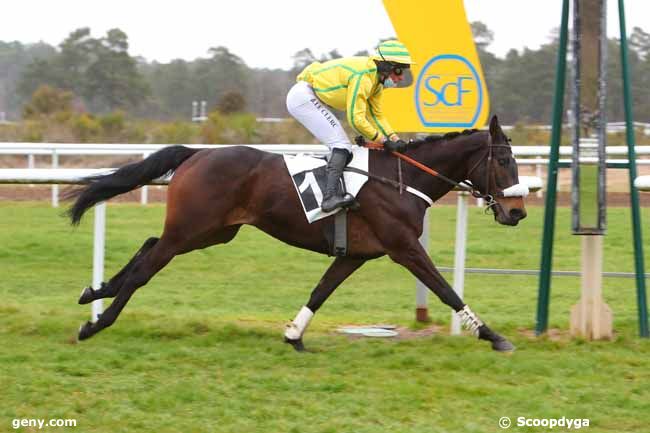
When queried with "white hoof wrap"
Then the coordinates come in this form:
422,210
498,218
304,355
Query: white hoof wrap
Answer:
469,320
296,328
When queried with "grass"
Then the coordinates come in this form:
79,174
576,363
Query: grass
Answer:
199,348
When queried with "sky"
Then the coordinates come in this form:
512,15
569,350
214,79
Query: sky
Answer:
267,33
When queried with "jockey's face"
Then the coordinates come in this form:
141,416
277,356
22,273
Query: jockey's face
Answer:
395,77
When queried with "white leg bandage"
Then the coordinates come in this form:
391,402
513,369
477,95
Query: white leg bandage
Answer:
469,320
296,328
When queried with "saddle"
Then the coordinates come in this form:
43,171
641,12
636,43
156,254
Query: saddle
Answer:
309,178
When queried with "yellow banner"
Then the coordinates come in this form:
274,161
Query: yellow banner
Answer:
448,90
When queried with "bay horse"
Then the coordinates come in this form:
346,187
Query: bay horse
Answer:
214,191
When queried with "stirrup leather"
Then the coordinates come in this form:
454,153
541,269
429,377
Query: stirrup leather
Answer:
469,320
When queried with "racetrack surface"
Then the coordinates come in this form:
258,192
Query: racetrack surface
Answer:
200,347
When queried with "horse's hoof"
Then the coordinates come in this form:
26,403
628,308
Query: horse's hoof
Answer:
85,331
297,344
86,296
503,345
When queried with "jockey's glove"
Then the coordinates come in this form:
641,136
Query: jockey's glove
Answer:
395,146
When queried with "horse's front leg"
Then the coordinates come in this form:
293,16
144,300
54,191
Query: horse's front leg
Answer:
339,270
413,256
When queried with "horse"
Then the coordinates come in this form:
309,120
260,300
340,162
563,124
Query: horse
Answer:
215,191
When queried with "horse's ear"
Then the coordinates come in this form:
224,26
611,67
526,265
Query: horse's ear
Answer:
495,128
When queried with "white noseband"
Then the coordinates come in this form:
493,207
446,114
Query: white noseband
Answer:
518,190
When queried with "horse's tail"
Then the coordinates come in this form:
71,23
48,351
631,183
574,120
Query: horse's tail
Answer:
125,179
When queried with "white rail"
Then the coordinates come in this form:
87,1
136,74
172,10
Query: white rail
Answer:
140,149
527,155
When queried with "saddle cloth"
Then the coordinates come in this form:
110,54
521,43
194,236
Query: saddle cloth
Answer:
309,178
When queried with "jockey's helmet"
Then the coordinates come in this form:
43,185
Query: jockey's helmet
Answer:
394,52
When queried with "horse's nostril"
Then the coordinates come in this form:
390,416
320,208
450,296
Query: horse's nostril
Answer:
517,214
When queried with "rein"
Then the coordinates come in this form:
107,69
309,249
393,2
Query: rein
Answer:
489,199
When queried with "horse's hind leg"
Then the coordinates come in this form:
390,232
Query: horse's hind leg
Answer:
141,271
144,266
341,268
110,289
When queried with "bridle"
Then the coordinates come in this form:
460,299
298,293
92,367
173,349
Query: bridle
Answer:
490,179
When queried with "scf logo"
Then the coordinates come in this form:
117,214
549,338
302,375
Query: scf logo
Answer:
448,92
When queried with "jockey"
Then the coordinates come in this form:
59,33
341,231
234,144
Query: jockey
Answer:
354,85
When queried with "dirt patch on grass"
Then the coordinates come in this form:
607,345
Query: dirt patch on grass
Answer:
410,334
553,334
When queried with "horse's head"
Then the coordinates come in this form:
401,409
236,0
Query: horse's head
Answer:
494,173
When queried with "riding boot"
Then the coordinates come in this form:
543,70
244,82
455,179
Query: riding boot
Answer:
332,197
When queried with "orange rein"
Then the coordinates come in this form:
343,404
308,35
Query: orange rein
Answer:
378,146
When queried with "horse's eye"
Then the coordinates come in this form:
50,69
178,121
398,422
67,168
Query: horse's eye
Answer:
503,162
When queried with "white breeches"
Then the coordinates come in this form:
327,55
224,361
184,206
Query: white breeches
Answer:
304,105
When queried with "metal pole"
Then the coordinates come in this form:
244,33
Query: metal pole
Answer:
634,193
422,291
459,256
551,188
99,241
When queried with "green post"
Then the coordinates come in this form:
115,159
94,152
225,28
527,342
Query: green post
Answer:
551,188
634,193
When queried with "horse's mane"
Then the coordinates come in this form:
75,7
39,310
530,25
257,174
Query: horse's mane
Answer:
433,139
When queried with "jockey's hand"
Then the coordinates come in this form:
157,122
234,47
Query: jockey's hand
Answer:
360,140
398,145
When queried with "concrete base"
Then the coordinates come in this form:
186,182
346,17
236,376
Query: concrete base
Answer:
591,319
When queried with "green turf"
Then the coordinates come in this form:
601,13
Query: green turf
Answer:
199,348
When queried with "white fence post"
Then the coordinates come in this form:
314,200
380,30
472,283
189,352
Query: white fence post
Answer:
30,164
459,256
144,191
422,291
98,257
55,187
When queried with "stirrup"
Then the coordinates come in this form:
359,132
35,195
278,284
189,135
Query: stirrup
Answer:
354,205
346,200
